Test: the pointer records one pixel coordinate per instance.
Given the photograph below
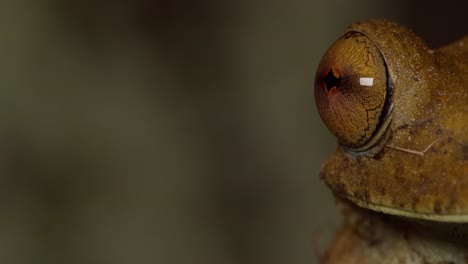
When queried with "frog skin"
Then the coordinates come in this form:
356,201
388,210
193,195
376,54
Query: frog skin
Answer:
406,152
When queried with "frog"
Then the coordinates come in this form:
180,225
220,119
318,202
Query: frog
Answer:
399,110
403,140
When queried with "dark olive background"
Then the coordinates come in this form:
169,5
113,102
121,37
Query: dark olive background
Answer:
173,131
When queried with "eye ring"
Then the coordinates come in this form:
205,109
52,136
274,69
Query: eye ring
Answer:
354,92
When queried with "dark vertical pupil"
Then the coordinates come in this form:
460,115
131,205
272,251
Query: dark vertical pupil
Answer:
331,80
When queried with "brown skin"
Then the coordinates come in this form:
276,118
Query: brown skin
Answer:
430,105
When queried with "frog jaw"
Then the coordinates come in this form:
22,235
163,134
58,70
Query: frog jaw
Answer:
445,218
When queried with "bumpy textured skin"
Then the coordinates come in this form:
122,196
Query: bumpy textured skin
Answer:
430,104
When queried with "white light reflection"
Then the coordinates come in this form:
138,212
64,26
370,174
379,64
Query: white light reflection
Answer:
366,81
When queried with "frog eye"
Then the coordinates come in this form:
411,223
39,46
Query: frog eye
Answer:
353,91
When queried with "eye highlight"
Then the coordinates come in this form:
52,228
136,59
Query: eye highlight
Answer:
353,92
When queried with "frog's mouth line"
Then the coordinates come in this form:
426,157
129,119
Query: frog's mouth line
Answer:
452,218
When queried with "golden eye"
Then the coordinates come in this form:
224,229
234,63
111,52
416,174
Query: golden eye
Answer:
353,91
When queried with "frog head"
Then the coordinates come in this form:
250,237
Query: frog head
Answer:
400,113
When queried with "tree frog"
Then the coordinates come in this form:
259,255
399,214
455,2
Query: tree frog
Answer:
400,113
399,110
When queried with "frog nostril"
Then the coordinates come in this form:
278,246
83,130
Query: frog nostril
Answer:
331,80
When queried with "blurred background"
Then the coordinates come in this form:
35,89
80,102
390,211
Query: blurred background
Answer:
173,131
